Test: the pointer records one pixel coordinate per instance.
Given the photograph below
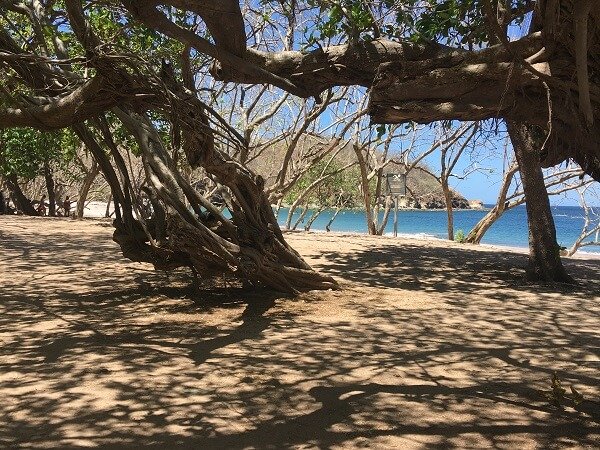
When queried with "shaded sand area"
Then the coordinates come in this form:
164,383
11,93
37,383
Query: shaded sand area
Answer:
429,345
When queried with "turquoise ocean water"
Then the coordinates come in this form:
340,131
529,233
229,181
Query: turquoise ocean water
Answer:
509,230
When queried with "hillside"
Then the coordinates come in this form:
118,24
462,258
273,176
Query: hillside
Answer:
423,189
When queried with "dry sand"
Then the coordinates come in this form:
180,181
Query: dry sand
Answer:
429,345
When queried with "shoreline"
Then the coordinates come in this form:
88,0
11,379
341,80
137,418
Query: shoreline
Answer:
359,209
94,214
423,237
96,210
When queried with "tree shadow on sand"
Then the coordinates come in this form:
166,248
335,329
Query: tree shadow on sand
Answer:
450,270
124,358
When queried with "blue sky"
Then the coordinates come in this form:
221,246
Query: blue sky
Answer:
485,184
485,187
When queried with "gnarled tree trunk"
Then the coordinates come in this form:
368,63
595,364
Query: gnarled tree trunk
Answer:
250,245
424,82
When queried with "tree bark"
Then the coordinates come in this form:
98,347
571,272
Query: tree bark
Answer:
21,201
514,80
107,213
479,230
85,188
449,211
377,196
364,181
300,218
314,217
48,177
316,71
250,245
386,215
544,257
333,217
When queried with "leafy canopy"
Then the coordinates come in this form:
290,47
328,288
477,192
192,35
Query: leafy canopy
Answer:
23,151
458,23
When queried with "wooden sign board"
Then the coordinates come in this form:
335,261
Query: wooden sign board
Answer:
396,184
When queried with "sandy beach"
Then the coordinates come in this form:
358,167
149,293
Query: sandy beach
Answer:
428,344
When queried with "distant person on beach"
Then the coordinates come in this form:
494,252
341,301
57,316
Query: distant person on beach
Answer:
41,209
67,206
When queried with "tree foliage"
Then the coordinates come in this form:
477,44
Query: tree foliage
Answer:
342,183
23,151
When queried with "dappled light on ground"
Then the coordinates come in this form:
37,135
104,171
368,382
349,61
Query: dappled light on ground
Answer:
426,345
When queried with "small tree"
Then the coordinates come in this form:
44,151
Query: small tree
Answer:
449,156
27,153
320,187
